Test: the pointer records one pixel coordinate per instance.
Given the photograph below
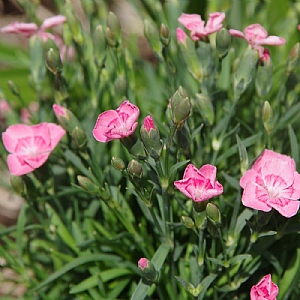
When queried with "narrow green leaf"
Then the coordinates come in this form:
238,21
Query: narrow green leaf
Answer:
294,144
86,284
231,180
238,258
20,232
177,166
83,259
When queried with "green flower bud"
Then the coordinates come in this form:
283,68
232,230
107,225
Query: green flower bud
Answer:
99,46
187,222
206,108
148,270
200,219
267,117
135,169
151,138
180,106
134,146
212,229
264,78
118,163
213,214
164,35
153,38
113,24
79,137
87,184
17,184
293,59
13,87
74,25
223,39
53,61
110,37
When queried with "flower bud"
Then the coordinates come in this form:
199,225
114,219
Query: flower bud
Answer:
187,222
206,108
264,78
135,169
151,138
153,38
110,37
53,61
148,270
118,163
213,214
180,106
87,184
79,137
164,35
65,118
293,59
223,39
212,229
13,87
74,25
99,46
243,76
267,117
134,146
113,24
17,184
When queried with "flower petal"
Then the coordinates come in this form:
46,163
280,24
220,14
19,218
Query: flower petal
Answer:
209,172
214,22
255,31
287,208
17,166
191,172
53,21
271,40
56,133
237,33
191,21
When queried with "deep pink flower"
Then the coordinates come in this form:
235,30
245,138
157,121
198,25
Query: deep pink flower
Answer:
256,36
272,182
264,290
143,263
116,124
30,146
194,23
199,185
148,123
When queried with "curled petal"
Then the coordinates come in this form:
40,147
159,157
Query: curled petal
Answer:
272,41
255,31
214,22
53,21
191,21
237,33
26,29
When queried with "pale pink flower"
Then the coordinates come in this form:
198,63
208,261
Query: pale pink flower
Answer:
116,124
143,263
4,108
26,114
264,290
256,36
199,185
30,146
180,35
199,30
272,182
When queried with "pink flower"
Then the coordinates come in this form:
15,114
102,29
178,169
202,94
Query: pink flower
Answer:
199,185
4,108
180,35
30,146
298,27
149,123
264,290
272,182
194,23
60,111
257,36
27,113
116,124
143,263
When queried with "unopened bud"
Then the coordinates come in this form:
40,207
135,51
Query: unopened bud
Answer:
223,39
53,61
79,137
267,117
110,37
65,118
180,106
164,35
151,138
135,169
213,214
113,24
293,59
17,184
187,222
264,78
134,146
13,87
206,108
118,163
87,184
152,35
99,46
148,270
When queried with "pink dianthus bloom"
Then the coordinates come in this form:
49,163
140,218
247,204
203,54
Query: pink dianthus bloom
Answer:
199,185
60,111
180,35
272,182
194,23
30,146
256,36
116,124
264,290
